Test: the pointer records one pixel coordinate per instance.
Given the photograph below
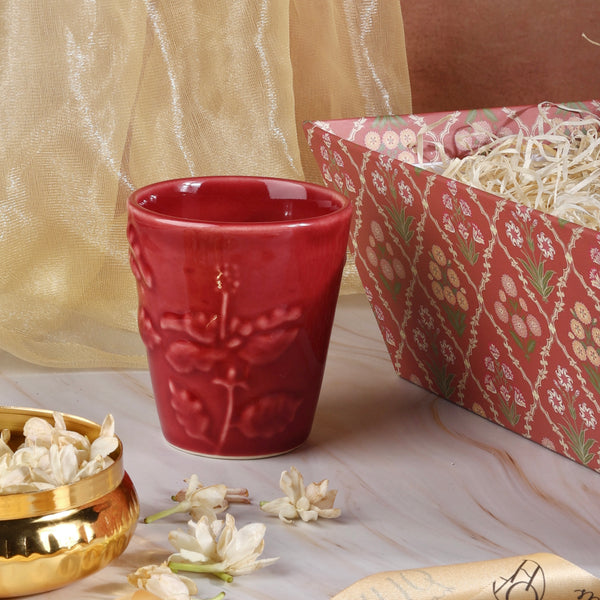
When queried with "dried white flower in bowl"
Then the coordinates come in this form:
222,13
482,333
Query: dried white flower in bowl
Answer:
51,455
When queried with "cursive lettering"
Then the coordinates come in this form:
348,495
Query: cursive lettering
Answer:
528,577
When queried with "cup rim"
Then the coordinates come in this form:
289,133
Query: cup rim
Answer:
134,206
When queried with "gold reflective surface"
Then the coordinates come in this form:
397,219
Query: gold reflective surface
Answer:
49,539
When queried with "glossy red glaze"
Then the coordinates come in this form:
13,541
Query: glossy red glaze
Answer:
238,279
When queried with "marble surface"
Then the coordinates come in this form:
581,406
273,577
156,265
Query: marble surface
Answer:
420,481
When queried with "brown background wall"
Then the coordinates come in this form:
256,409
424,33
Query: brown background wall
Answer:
485,53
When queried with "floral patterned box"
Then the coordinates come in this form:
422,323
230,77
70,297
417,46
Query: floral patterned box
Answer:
488,303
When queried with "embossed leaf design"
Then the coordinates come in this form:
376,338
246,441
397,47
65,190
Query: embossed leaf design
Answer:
269,415
148,334
197,325
185,356
190,411
140,269
269,335
263,348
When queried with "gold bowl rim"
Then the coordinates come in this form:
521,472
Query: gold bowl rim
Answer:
66,497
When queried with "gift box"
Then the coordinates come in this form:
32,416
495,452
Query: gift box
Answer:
486,302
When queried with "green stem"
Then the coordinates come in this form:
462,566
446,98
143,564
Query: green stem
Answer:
163,513
219,596
213,569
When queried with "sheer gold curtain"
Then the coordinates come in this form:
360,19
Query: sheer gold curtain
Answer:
100,97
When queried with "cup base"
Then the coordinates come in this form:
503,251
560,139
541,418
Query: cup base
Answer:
235,457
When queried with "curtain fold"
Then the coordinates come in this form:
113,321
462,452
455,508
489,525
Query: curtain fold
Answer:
103,96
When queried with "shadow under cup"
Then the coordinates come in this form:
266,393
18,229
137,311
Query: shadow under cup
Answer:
238,279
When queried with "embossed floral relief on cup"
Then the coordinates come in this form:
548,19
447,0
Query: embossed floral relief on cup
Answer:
223,343
140,269
227,348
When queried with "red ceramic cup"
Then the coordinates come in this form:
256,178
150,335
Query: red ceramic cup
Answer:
238,279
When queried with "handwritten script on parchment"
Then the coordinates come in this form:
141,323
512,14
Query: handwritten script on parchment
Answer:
530,577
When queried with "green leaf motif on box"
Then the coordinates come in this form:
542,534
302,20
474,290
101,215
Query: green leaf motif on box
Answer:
402,222
457,220
499,380
577,417
399,196
386,120
535,247
439,352
486,112
579,444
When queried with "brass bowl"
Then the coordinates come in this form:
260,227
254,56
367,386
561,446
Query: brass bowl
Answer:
51,538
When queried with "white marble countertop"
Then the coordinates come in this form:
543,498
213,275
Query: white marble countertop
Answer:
420,481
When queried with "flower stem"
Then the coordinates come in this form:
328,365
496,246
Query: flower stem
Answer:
163,513
213,569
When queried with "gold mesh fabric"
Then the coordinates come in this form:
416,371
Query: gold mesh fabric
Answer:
100,97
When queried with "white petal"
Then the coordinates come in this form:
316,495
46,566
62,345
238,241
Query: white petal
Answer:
4,439
199,547
257,564
329,513
181,540
245,542
71,438
279,505
92,467
64,463
32,456
292,484
161,581
107,429
315,492
303,504
13,476
308,515
59,421
213,493
193,485
144,573
38,431
168,587
103,446
202,510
